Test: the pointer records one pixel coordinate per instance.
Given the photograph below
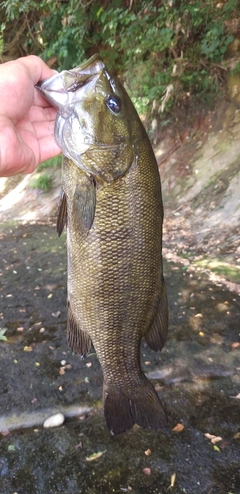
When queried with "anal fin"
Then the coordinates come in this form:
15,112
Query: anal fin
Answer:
78,341
157,333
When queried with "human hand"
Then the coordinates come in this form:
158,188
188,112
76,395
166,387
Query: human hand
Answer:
26,118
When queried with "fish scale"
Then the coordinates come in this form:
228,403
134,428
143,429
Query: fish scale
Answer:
111,202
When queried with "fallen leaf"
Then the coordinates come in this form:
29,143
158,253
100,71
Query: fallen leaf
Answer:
216,448
2,334
56,314
237,435
27,349
11,447
158,387
236,344
147,452
172,480
178,428
147,471
95,456
79,445
5,433
213,439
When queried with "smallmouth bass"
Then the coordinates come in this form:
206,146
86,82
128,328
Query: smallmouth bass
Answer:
112,206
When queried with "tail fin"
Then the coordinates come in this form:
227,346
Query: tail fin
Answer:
141,406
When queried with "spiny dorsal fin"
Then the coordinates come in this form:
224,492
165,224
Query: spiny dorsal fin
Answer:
78,341
62,212
157,334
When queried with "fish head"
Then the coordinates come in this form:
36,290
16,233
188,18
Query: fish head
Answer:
95,120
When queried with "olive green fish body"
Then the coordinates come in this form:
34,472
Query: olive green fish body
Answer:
111,202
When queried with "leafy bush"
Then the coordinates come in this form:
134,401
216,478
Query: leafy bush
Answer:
163,50
43,182
51,163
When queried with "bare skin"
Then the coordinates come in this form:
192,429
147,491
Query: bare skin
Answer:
26,118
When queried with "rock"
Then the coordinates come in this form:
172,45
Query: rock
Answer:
54,421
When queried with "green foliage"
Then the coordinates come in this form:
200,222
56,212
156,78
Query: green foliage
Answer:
51,163
163,50
43,182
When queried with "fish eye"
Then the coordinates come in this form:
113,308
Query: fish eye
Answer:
113,103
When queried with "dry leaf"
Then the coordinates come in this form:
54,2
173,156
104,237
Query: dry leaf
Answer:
172,480
213,439
27,349
147,452
56,314
178,428
95,456
147,471
5,433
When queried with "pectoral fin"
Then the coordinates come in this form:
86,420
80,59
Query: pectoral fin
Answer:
84,204
157,334
78,341
62,213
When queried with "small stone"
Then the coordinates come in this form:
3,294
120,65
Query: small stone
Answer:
54,421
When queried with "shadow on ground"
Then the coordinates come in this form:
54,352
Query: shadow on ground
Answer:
197,377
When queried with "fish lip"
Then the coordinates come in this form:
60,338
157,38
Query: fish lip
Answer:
60,88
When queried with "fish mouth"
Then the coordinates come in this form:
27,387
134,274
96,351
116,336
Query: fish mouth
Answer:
60,89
